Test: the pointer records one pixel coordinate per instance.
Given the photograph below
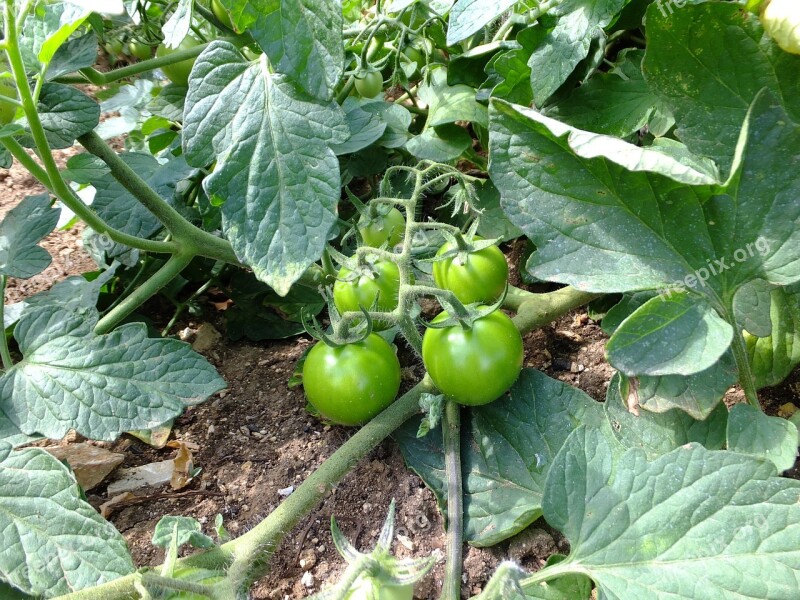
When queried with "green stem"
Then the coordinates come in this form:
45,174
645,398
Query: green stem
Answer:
98,78
740,355
451,429
539,309
185,234
167,583
7,362
77,206
176,263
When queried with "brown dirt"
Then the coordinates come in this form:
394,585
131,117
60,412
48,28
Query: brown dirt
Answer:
255,439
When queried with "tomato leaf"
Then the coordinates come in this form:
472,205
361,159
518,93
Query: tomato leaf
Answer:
506,451
21,230
276,172
470,16
98,385
53,541
178,25
752,432
66,113
77,53
180,531
568,43
773,357
708,61
692,524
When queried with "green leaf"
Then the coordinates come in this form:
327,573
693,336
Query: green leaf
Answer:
696,394
693,524
752,432
11,435
659,433
617,102
365,127
507,449
603,228
181,530
751,307
773,357
568,43
470,16
677,334
53,541
47,28
276,172
623,309
708,61
66,113
440,144
21,230
450,103
77,53
178,25
509,73
98,385
302,38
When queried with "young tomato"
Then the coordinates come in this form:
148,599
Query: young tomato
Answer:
387,227
381,282
474,366
481,277
370,85
140,50
352,383
178,73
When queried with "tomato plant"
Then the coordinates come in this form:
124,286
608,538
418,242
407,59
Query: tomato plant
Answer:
473,276
352,383
647,154
473,364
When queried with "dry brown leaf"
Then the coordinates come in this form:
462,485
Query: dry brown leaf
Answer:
106,508
183,471
90,463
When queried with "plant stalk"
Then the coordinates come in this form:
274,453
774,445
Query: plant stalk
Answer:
6,355
451,430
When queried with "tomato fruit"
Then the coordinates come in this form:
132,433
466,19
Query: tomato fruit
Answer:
178,72
381,282
7,111
114,48
140,50
481,277
416,56
388,227
370,84
366,588
352,383
222,14
781,20
474,366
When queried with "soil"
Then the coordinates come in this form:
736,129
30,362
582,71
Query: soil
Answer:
255,441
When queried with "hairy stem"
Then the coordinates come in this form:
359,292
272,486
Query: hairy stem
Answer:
6,355
451,430
185,234
745,369
76,205
535,310
176,263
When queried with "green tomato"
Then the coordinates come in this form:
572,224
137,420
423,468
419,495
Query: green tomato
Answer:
370,84
388,227
178,72
416,56
352,291
367,588
7,111
481,277
781,20
114,47
474,366
140,50
352,383
222,14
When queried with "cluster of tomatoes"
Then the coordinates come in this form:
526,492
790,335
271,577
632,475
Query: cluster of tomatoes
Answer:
472,362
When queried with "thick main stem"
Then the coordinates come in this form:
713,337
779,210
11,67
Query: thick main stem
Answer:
451,430
739,349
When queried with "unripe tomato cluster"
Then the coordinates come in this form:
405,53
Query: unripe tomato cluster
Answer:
471,365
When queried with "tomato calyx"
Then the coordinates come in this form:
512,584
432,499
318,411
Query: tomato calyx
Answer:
463,245
460,314
343,332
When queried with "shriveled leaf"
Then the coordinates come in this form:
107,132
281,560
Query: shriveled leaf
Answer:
506,451
693,524
675,334
98,385
53,541
752,432
21,230
276,172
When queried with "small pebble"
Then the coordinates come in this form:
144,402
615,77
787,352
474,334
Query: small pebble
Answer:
286,492
307,580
